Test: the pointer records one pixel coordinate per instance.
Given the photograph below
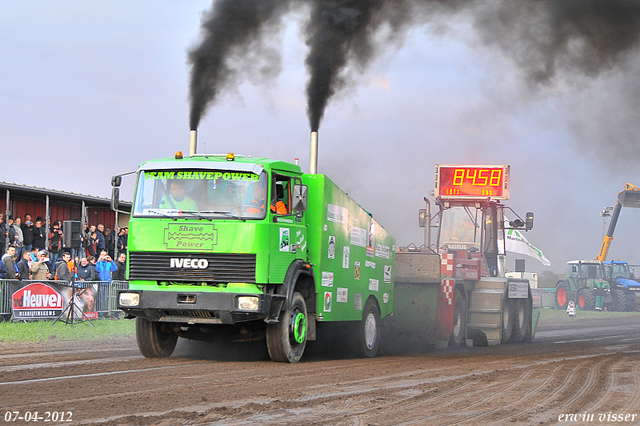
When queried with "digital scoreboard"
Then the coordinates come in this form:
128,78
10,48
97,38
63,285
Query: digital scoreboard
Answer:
472,181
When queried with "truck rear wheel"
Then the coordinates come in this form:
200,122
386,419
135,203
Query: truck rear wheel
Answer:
459,321
287,339
521,320
155,339
507,320
369,333
563,294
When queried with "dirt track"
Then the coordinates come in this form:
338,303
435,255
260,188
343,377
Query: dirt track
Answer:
585,366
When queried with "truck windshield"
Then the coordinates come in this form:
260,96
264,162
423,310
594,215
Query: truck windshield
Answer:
200,193
459,228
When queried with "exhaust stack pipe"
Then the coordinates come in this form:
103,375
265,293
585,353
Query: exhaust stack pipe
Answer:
313,156
193,142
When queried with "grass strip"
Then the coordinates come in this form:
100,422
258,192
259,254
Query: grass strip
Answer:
39,331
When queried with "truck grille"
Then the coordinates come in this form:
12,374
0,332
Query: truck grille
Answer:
211,267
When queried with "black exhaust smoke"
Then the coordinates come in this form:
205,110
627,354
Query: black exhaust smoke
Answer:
229,30
551,41
337,30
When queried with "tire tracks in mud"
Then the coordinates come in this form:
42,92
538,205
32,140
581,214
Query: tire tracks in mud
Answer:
510,385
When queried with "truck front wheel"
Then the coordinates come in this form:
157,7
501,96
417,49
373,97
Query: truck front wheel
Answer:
370,330
287,339
155,339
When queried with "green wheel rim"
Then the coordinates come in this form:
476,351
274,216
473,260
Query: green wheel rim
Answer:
299,327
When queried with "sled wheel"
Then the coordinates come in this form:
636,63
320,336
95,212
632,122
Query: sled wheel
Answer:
287,339
155,339
521,319
507,319
459,321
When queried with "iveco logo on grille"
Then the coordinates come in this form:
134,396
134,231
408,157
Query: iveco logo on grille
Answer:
186,262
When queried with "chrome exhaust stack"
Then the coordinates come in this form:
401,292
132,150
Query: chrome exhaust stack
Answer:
193,142
313,156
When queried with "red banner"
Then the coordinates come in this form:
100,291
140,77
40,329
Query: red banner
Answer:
47,300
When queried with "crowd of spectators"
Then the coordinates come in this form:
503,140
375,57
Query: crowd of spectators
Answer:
33,253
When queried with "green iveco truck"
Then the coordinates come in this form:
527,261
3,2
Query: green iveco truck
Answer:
255,246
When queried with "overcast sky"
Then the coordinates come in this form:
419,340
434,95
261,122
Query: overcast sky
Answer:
91,89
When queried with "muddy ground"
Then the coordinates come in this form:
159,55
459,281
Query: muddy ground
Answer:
589,367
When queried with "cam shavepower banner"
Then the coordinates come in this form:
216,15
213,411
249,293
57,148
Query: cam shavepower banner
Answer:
47,300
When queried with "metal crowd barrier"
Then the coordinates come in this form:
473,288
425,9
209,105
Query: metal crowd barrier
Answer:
106,303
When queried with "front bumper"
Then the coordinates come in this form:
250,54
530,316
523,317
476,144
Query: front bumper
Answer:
201,307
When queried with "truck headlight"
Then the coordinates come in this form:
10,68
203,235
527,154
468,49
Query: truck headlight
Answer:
129,299
248,303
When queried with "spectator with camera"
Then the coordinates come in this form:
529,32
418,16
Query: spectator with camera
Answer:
27,232
105,266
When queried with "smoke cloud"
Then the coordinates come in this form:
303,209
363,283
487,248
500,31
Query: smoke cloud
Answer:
552,42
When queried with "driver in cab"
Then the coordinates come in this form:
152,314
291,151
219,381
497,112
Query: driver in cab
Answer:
258,203
177,198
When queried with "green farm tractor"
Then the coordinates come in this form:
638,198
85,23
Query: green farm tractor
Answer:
585,284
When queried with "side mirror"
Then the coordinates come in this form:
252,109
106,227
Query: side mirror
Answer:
116,181
529,221
115,198
299,198
422,218
517,223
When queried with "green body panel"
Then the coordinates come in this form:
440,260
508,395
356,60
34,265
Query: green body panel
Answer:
352,255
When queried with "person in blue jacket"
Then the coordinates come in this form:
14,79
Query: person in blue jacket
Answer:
105,266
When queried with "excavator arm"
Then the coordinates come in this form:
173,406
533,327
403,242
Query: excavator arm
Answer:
630,197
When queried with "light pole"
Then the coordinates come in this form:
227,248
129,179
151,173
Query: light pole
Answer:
605,213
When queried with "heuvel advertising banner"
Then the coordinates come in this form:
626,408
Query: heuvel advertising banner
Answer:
48,300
